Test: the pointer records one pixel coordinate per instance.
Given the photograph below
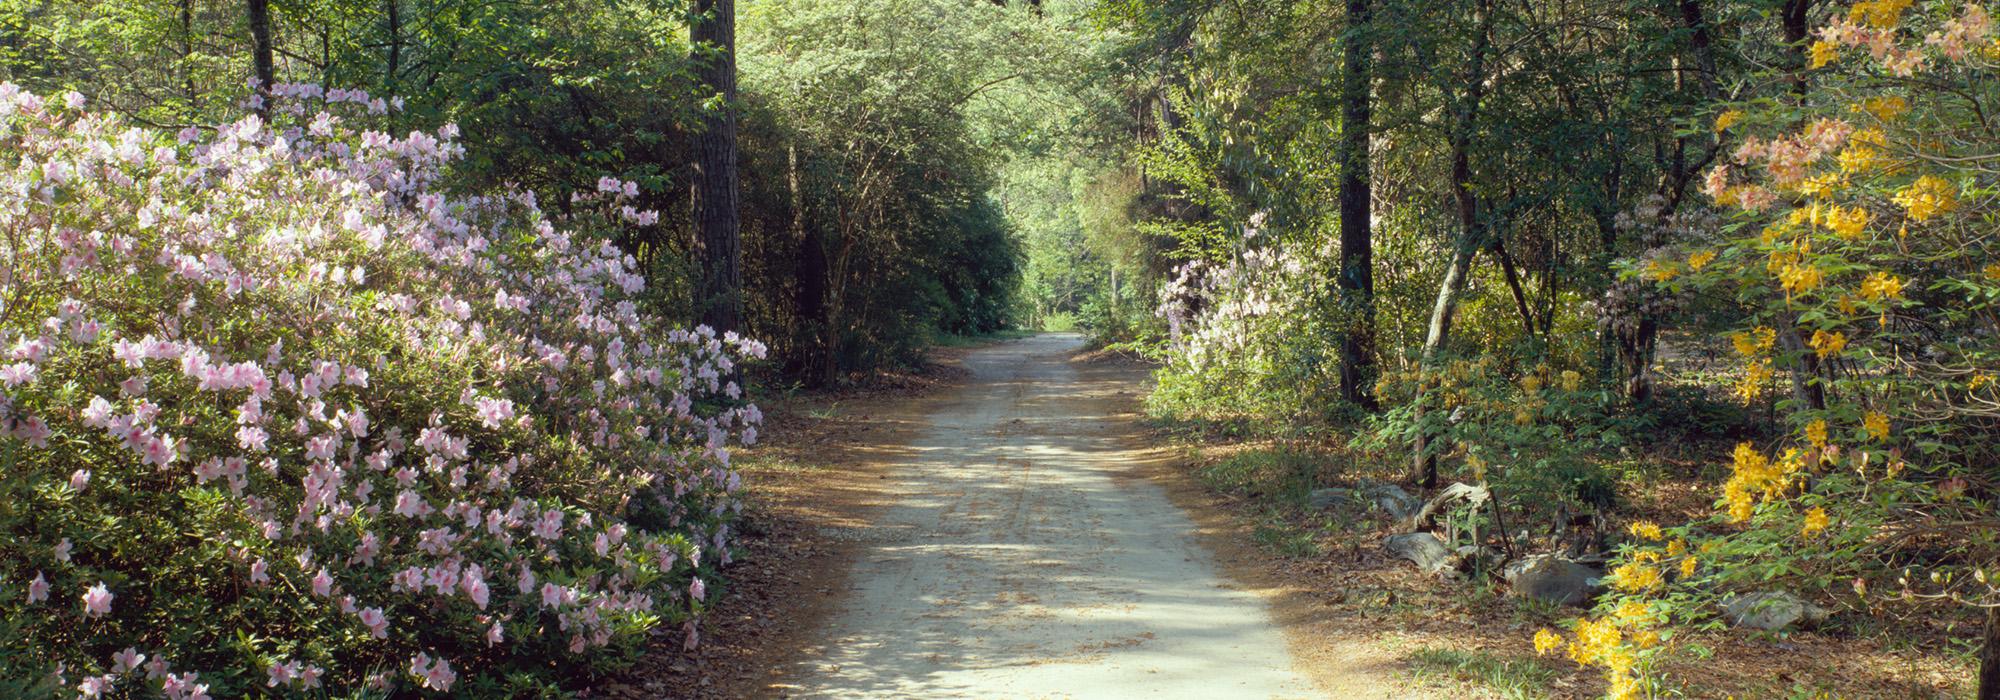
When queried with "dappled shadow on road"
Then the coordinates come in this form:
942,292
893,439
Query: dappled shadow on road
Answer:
1021,560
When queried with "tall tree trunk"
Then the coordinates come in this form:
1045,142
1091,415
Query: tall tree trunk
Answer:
719,297
1794,16
187,52
1806,371
1989,658
1357,273
260,51
1423,468
395,67
1513,278
808,358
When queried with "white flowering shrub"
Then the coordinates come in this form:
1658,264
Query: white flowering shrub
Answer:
1256,335
278,415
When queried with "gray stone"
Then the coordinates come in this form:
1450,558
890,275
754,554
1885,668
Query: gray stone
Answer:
1329,498
1422,549
1553,579
1399,504
1773,611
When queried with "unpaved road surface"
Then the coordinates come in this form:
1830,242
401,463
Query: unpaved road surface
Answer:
1023,559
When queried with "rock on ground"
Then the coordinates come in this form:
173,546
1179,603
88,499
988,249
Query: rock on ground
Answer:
1422,549
1552,579
1773,611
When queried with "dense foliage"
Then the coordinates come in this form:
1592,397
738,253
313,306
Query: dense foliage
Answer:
868,227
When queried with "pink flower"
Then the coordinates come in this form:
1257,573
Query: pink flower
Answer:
494,412
127,661
259,573
62,550
322,583
410,505
79,480
280,674
698,590
378,626
94,686
474,584
552,596
38,589
494,635
437,675
97,600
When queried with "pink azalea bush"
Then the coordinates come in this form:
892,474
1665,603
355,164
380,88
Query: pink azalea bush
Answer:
280,415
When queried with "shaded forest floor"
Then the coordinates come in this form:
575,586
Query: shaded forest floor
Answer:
1470,638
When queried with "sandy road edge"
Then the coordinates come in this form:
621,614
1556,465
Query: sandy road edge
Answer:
1341,663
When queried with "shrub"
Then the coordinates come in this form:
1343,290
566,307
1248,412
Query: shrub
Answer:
1860,257
278,413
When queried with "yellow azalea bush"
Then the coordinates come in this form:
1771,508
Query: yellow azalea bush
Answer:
1859,255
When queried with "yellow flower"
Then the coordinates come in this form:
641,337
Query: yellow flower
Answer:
1546,640
1822,186
1823,52
1815,522
1992,272
1727,119
1688,567
1646,639
1677,548
1828,344
1646,529
1846,223
1632,613
1880,14
1882,285
1755,476
1928,197
1755,376
1531,384
1979,379
1754,341
1886,108
1857,159
1798,278
1816,433
1595,641
1660,270
1635,577
1876,425
1701,259
1571,380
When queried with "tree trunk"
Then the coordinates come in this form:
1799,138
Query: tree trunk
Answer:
1513,278
187,52
1357,274
719,296
1989,658
808,358
260,51
1794,15
1423,468
395,67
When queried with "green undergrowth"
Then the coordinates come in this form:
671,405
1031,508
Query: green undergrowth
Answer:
1490,674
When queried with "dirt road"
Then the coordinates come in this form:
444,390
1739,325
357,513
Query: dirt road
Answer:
1023,558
